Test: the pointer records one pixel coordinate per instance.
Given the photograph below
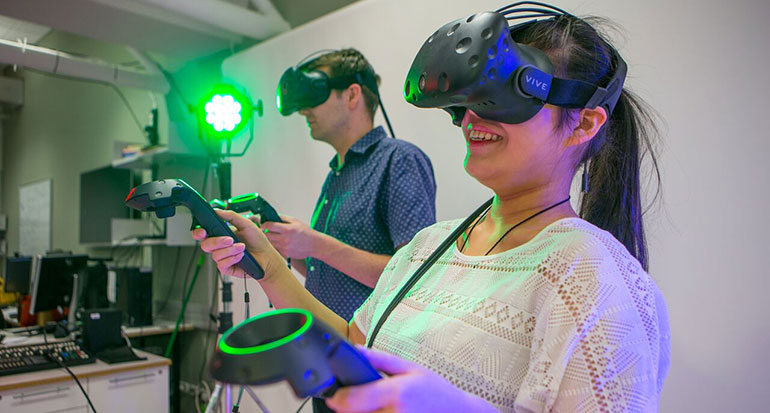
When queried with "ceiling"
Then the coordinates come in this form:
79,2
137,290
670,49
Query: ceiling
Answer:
166,30
298,12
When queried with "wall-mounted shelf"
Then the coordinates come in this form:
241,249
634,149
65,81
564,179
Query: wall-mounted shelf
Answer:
127,243
158,155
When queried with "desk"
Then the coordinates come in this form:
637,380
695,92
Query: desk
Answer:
138,386
148,336
151,338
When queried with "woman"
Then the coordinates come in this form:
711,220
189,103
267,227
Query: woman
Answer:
533,308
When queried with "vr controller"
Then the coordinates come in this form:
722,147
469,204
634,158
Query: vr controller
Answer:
249,203
291,345
163,196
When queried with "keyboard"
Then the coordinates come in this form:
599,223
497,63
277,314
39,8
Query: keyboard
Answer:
35,357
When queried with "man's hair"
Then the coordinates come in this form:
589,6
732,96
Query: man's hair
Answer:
347,62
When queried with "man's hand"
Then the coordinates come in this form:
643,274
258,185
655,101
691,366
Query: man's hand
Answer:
410,388
292,238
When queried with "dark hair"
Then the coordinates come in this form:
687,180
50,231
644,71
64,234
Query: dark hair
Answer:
348,62
614,156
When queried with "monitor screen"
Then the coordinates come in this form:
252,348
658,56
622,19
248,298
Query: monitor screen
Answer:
102,197
17,274
52,280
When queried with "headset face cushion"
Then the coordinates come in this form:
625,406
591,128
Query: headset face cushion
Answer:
298,89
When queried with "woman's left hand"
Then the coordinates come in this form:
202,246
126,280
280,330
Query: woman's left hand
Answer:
410,388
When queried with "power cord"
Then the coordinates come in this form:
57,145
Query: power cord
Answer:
303,404
62,365
167,354
197,394
98,82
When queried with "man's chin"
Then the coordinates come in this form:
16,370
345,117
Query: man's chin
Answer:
316,136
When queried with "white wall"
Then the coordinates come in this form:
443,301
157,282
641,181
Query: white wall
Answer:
65,127
702,64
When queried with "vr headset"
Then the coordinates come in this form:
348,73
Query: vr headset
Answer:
473,63
300,89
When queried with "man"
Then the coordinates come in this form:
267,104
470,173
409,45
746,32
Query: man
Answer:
378,194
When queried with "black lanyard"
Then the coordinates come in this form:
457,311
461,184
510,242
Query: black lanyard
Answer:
451,239
484,209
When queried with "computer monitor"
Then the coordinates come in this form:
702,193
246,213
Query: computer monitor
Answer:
93,288
18,271
102,198
52,280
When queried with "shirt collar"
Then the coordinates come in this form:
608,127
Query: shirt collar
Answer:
362,145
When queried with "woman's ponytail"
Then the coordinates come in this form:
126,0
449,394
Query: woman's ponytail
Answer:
615,154
614,199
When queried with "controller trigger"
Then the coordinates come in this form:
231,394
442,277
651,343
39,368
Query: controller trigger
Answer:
195,224
165,212
217,203
256,205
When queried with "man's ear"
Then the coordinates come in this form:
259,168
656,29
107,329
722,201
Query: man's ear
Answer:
354,95
588,125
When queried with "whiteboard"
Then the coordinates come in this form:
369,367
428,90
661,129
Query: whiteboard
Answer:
35,217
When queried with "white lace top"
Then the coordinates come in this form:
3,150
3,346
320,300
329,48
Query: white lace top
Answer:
566,322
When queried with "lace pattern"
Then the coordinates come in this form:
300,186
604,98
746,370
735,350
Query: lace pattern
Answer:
567,322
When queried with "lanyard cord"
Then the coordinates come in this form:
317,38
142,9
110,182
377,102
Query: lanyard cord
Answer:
509,229
451,239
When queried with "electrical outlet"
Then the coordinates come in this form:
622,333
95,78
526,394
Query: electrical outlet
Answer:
187,387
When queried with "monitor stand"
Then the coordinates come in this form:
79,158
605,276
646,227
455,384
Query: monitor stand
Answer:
74,298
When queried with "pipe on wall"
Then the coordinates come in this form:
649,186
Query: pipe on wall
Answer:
60,63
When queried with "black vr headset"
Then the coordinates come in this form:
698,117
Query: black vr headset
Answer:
473,63
300,88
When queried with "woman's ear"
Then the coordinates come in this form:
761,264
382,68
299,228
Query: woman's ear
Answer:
588,125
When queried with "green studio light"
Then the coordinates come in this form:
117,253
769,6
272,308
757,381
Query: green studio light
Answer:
224,111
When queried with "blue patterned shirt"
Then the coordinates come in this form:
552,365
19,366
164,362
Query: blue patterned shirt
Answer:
381,196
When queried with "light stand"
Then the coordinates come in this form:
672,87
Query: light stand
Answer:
74,302
216,131
223,171
214,399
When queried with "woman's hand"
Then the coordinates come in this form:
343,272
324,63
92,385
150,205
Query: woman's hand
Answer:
410,388
227,253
